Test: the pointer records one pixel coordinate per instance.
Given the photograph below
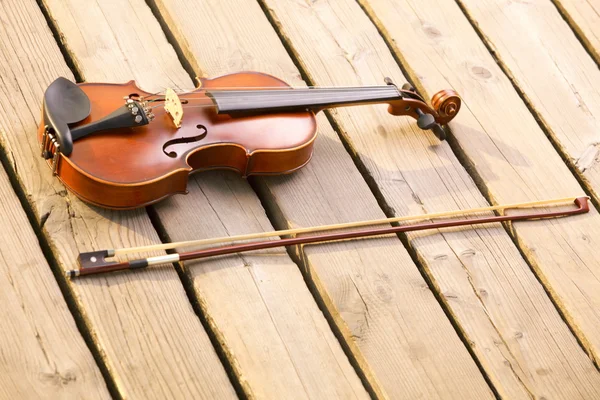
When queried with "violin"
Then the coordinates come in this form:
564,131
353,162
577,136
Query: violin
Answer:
119,147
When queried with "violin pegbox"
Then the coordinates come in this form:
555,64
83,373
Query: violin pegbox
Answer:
444,106
173,107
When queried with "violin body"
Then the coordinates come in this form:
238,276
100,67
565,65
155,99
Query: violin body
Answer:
128,168
134,166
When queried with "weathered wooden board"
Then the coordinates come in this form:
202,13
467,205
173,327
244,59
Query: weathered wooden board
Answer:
258,304
42,352
373,292
265,318
487,285
143,325
584,18
556,75
505,148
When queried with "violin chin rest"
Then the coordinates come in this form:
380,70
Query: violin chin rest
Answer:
64,103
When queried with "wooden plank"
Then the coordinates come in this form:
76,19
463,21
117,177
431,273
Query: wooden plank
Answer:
143,325
250,302
43,353
558,79
486,284
258,299
377,299
504,146
584,18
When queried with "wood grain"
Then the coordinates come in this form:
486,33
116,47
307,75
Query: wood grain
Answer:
556,75
43,353
394,327
584,18
505,148
487,286
143,325
258,304
263,315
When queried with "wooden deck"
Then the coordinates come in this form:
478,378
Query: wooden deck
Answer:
499,311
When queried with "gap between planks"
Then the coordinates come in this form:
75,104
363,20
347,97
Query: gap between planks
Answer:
179,268
526,264
55,64
305,262
351,382
490,190
581,31
480,182
276,215
545,127
59,277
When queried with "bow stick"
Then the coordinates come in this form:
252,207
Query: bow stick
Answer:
95,261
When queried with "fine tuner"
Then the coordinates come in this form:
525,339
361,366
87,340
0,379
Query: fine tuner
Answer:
117,146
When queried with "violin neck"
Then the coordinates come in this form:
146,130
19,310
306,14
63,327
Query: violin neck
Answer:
249,101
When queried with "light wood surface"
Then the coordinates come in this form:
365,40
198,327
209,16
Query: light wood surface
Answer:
257,303
479,273
263,315
43,353
584,18
276,337
143,325
504,147
374,293
556,75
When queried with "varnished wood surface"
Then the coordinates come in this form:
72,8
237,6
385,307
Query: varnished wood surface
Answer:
470,313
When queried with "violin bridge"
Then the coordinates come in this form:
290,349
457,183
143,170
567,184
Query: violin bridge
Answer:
173,107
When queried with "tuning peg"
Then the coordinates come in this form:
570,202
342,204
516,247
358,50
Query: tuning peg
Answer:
425,121
408,86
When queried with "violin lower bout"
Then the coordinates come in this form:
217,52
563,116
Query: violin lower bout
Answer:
123,196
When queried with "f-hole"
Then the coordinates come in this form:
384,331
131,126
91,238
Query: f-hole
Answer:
197,138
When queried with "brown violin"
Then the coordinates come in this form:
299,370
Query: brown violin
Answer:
117,146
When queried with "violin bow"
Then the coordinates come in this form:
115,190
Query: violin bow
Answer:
95,262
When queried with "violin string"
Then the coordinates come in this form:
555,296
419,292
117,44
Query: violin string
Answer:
260,98
258,95
277,88
209,104
235,90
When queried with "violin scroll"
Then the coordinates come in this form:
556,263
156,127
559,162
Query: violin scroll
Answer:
446,103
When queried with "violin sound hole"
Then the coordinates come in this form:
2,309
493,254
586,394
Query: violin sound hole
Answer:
191,139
